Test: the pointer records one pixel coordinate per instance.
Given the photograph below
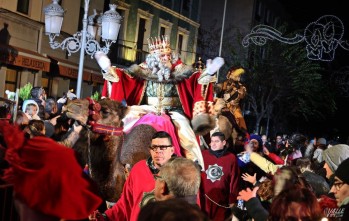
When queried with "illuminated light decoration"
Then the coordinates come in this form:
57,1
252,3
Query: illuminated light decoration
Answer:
322,37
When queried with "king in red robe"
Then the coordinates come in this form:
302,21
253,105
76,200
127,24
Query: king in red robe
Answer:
165,85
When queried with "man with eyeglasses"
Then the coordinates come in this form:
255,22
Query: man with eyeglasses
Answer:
340,188
139,186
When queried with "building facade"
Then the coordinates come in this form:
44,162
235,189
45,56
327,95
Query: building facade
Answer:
26,56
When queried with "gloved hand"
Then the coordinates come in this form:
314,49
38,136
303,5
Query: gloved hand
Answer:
212,66
103,60
62,100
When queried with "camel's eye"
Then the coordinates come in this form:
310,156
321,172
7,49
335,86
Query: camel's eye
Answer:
105,111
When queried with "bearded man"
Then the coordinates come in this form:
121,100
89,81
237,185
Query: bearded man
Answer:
165,85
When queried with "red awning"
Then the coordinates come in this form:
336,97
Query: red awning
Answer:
71,70
24,58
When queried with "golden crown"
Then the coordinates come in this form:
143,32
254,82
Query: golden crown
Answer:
159,45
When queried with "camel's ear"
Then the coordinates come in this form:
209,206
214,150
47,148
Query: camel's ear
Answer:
203,123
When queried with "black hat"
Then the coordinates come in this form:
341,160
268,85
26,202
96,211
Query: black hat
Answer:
342,171
297,141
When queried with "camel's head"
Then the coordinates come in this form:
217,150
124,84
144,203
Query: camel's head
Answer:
105,112
77,109
111,113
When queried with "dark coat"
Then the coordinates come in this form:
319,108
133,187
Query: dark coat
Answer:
317,182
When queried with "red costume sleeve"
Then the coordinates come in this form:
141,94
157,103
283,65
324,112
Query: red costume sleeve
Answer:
140,181
191,92
276,159
127,88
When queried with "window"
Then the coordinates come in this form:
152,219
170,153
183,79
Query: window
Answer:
162,31
141,30
23,6
180,43
165,27
11,80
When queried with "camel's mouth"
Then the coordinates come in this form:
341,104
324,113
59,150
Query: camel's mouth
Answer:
77,110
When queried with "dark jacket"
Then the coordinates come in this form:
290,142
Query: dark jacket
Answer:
317,182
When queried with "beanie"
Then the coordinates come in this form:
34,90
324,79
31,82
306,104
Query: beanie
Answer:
258,138
321,141
335,155
342,171
297,141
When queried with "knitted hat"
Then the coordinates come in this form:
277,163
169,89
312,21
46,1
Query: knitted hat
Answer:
335,155
297,141
258,138
321,141
342,171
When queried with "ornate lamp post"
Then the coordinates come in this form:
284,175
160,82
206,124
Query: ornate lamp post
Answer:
85,39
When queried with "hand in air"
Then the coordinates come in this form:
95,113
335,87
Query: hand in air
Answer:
103,60
247,194
247,177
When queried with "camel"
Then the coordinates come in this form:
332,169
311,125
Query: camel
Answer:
106,149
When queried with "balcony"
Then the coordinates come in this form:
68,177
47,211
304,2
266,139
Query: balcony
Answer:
122,55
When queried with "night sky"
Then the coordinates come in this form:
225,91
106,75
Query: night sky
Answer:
304,12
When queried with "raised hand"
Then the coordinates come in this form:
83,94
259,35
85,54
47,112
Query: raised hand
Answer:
103,60
247,194
247,177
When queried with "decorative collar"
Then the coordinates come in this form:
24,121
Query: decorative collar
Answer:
178,73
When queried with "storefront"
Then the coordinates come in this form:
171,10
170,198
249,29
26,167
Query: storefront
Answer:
19,66
65,76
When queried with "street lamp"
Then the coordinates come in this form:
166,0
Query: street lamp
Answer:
85,39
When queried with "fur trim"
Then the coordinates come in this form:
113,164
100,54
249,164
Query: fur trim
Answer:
203,123
180,72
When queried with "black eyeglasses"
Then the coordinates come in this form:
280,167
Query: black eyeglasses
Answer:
156,176
338,185
161,147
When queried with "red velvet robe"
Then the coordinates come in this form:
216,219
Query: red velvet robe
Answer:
132,91
223,191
